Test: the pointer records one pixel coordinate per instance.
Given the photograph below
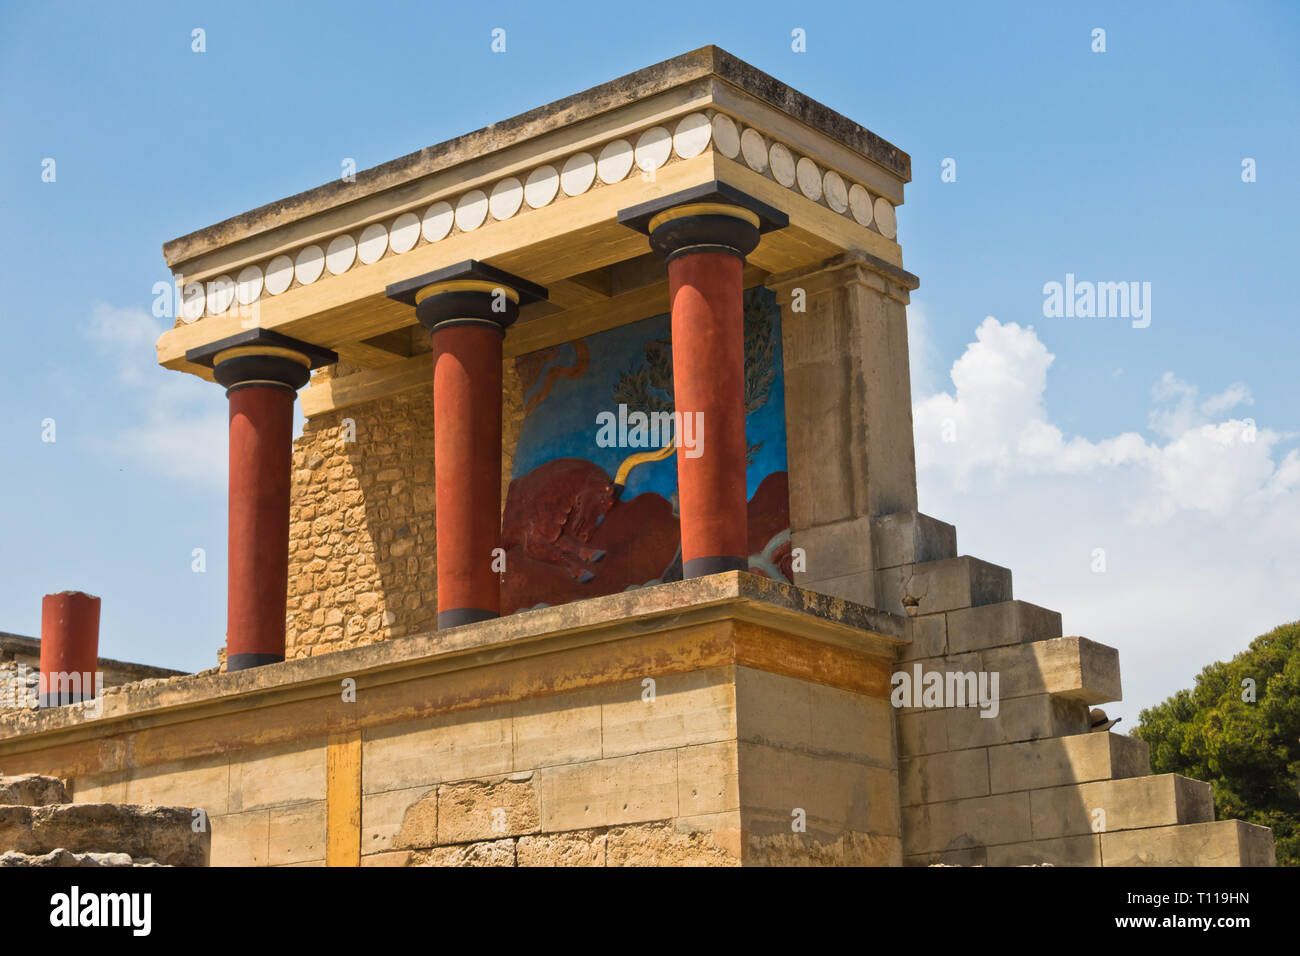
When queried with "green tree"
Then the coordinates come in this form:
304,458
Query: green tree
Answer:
1239,729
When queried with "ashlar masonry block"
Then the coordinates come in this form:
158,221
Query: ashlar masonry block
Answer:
1220,843
996,625
1060,761
945,585
1110,805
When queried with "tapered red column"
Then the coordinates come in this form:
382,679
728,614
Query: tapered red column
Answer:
69,648
467,470
705,235
262,372
708,338
467,308
261,438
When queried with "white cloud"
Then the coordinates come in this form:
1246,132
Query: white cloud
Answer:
178,428
1198,524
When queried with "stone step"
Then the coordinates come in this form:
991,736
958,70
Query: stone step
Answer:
163,834
1074,668
909,537
947,585
1080,758
1108,806
1217,843
32,790
1000,624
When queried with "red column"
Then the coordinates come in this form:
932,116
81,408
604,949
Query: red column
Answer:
708,336
467,469
261,440
69,648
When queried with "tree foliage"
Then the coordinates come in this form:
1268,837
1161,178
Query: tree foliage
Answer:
1239,729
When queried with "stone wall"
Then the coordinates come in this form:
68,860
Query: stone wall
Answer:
362,564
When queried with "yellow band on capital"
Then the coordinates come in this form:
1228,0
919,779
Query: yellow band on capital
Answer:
703,209
467,285
240,351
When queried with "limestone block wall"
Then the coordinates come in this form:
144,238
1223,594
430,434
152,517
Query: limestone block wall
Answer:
362,564
722,721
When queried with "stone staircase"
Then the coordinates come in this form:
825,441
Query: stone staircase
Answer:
41,826
1032,784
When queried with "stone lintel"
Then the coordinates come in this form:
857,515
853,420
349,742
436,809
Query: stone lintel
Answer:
849,268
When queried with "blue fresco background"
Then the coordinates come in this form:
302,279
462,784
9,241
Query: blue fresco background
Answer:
564,424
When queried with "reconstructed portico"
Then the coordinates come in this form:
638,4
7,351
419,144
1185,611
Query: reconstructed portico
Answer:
468,632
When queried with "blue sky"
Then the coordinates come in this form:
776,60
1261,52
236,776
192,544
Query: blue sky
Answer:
1115,166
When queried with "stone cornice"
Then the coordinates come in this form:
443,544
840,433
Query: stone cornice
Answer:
706,62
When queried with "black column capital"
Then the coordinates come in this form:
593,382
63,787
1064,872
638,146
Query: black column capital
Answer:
261,357
711,217
467,293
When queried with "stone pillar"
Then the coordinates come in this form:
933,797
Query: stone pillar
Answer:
848,407
705,234
69,648
262,372
467,308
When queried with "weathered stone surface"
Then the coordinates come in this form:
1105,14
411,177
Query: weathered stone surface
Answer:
476,811
909,537
947,776
32,790
665,844
575,848
1058,761
493,853
1221,843
964,824
1110,805
996,625
1067,851
945,585
798,849
64,858
161,833
1020,718
1071,667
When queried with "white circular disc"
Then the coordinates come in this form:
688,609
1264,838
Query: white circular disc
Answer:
248,287
810,178
837,194
692,135
373,244
438,219
614,162
725,135
221,292
309,265
279,274
754,150
192,301
541,186
782,164
405,232
860,204
577,174
886,219
340,254
653,148
471,210
507,197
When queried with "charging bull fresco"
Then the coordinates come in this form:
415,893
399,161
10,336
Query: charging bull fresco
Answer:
592,503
